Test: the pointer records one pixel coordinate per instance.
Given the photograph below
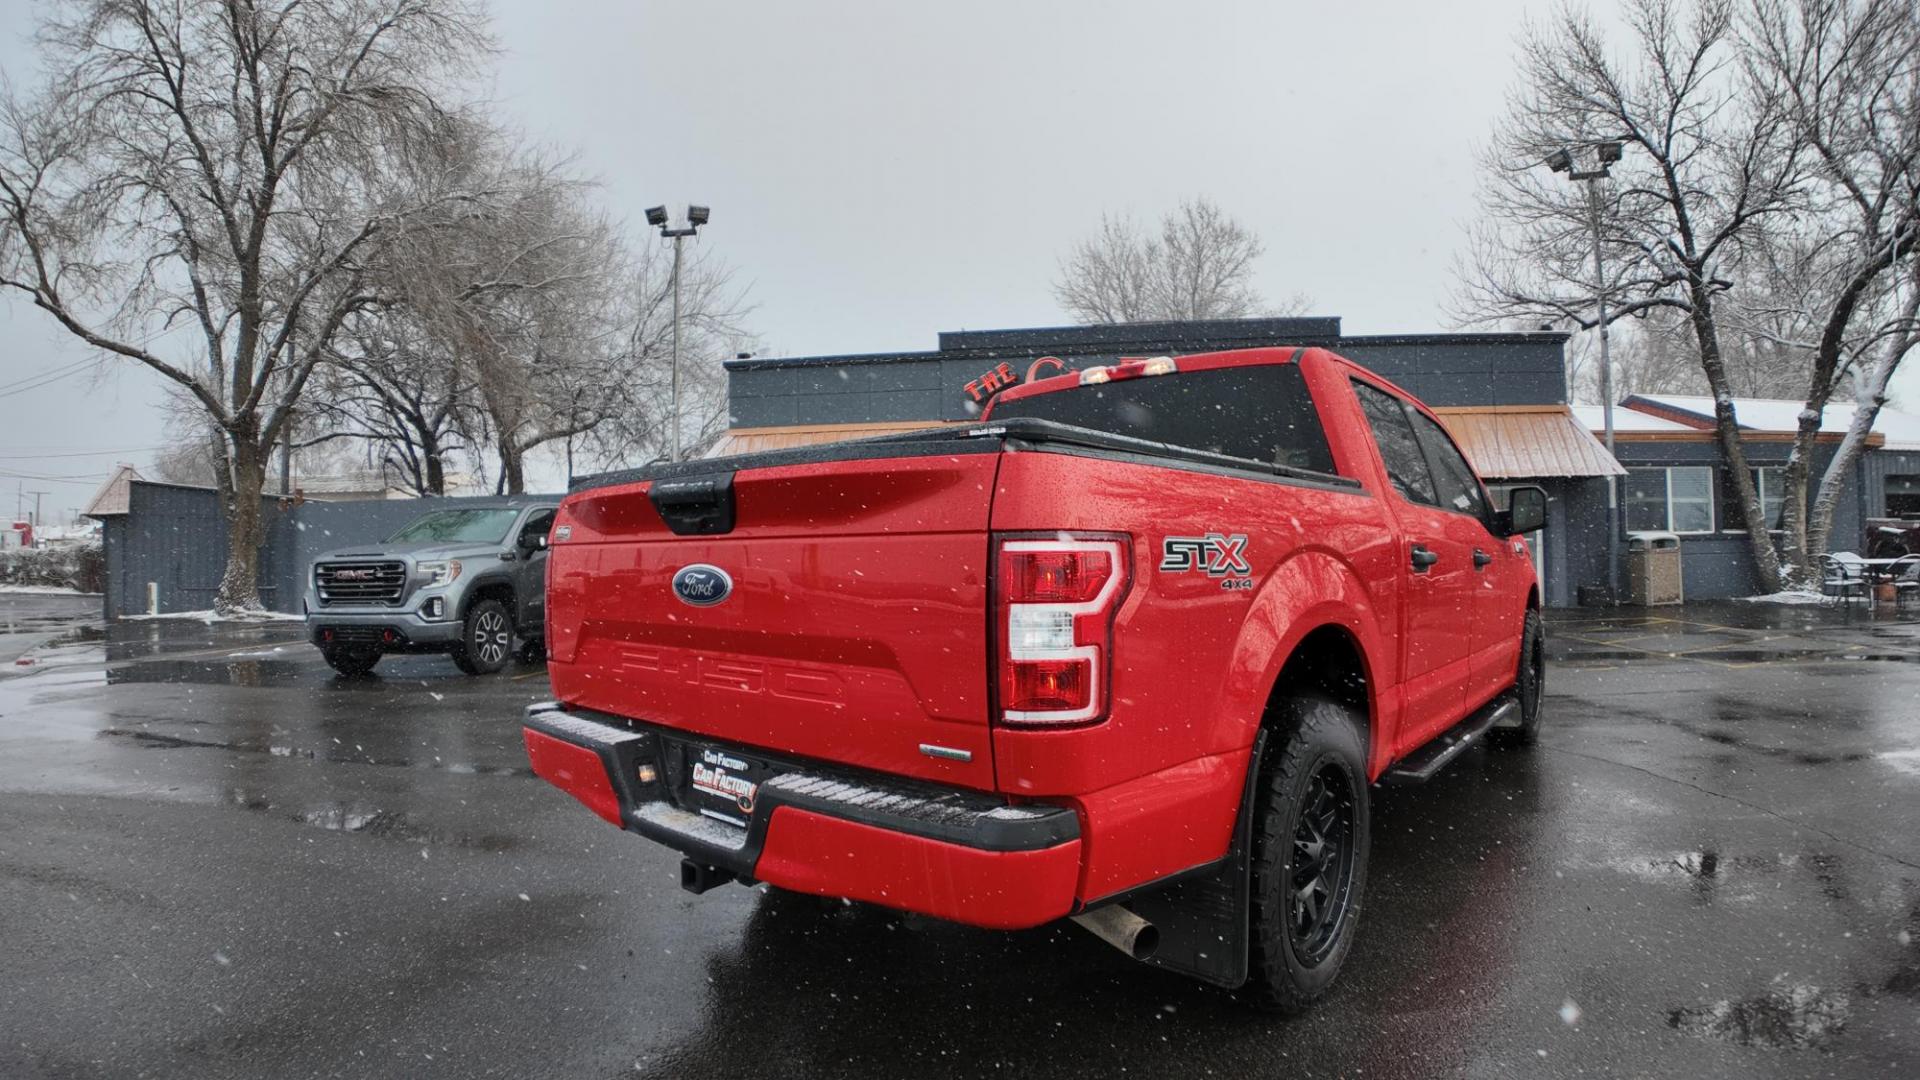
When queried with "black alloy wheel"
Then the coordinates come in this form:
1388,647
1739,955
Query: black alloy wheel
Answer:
1309,858
1320,872
1529,685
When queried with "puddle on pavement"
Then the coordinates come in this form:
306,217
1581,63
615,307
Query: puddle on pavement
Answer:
1905,982
157,741
1796,1017
80,635
367,820
228,672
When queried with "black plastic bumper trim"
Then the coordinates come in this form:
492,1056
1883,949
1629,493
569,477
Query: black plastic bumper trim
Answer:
950,815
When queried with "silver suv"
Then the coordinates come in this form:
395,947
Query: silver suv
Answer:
464,582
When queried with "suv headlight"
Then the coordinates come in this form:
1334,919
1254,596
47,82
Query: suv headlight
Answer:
440,573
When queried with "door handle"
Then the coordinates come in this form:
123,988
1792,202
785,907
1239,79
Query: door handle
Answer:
1481,559
1422,558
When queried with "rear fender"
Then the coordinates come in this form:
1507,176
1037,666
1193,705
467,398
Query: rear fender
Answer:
1311,589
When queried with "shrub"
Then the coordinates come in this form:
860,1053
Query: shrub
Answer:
82,567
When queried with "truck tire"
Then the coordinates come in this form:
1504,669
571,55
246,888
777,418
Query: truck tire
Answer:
352,663
486,638
1529,684
1310,840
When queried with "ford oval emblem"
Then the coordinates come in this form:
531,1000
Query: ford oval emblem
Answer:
702,585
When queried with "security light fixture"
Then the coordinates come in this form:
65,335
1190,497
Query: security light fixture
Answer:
1573,160
696,217
1591,162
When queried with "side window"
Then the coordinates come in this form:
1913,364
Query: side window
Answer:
537,525
1399,448
1459,489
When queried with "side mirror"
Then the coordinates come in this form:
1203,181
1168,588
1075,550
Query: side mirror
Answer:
1526,511
533,541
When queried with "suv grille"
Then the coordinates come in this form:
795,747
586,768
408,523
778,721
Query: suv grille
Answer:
360,583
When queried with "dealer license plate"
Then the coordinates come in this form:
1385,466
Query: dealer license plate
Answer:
722,784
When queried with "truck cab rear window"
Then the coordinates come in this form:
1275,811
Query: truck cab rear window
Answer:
1262,413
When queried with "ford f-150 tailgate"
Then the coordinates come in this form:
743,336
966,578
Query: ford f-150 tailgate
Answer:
829,604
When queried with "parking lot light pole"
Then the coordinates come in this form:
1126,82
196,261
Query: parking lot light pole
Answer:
1591,162
696,217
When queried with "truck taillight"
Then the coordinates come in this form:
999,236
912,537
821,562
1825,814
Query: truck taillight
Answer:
1053,609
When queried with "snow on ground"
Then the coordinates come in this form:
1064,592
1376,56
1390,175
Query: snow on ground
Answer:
1904,760
1789,596
45,590
216,617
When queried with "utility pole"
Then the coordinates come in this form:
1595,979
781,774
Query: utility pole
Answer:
696,217
286,456
35,519
1573,161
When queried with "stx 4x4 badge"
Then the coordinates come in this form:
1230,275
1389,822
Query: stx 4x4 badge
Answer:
1219,555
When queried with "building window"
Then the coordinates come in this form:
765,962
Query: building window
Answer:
1769,482
1903,495
1677,499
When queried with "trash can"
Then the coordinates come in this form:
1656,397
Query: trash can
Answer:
1653,569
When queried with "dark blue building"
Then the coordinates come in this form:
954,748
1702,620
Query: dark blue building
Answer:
1503,396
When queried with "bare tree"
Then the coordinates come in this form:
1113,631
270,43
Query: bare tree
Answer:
713,317
1847,76
402,396
1200,265
1707,166
198,188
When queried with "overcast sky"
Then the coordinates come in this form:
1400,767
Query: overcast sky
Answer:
882,171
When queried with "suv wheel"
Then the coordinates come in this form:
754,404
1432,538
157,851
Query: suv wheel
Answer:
1529,683
351,662
486,640
1309,856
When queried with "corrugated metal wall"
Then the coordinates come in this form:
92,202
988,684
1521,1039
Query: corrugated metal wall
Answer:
174,537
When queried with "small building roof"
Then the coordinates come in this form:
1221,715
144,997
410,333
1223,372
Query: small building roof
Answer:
1525,441
1625,420
115,496
1772,416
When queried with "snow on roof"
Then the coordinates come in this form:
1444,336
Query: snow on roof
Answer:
1625,419
1901,430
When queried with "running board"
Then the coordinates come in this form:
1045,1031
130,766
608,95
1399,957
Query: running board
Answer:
1423,764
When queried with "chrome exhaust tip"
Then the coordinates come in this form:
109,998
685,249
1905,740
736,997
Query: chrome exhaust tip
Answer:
1121,929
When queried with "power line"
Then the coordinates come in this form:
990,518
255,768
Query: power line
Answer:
42,378
78,453
77,478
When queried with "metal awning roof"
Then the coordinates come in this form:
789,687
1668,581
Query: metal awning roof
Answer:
1526,441
756,439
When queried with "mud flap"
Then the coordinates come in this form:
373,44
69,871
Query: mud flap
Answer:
1204,917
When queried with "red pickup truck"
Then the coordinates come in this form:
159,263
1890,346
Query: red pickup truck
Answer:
1131,649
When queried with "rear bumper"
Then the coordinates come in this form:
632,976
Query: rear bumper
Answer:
952,854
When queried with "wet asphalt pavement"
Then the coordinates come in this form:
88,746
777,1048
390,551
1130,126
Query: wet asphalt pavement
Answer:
216,859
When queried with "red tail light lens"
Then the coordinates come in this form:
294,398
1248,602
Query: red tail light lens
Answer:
1056,577
1054,606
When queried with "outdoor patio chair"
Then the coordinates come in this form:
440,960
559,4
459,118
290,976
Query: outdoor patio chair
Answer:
1905,574
1841,579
